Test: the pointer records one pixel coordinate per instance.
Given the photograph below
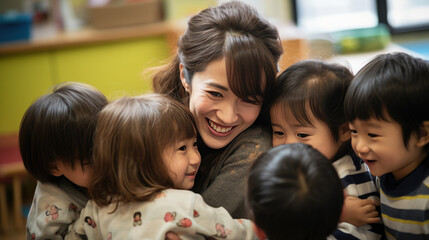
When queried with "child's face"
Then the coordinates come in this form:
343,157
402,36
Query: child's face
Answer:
380,144
182,161
289,130
79,175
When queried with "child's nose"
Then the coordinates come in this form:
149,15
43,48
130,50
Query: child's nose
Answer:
291,139
361,147
195,157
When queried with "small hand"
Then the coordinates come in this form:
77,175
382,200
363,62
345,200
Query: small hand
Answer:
359,211
172,236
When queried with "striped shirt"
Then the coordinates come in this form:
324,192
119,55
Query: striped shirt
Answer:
358,182
405,204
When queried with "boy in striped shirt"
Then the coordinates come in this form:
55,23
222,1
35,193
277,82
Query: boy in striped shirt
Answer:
387,106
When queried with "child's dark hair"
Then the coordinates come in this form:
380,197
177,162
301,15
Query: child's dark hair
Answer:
294,192
59,127
130,138
319,85
395,85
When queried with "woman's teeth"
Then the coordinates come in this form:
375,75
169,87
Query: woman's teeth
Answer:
219,129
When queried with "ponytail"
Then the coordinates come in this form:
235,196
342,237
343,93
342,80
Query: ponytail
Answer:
167,81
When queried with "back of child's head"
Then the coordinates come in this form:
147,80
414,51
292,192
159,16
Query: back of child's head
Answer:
394,85
60,126
130,138
317,85
295,193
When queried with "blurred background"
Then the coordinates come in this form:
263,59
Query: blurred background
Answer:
113,45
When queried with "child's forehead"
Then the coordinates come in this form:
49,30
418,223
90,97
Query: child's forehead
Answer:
375,122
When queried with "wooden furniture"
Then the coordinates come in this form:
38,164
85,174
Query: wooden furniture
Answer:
11,173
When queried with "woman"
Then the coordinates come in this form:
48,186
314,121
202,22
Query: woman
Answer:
224,71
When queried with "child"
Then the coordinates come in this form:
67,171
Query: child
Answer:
308,108
294,193
145,159
56,137
387,107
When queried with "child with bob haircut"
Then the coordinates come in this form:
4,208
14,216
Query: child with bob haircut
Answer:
55,140
308,108
145,160
387,107
294,192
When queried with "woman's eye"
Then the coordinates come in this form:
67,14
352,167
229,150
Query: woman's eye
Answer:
352,131
302,135
214,94
182,148
372,135
278,133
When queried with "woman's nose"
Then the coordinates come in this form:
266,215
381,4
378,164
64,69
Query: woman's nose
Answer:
228,114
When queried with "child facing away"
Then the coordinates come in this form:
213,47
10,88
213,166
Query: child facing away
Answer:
145,160
308,108
387,106
55,140
295,193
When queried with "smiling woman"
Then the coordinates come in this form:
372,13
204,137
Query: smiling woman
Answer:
224,71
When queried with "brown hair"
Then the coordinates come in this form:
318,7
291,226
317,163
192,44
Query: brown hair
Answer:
130,138
235,31
59,127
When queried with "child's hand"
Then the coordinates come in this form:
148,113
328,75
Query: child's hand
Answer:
359,211
172,236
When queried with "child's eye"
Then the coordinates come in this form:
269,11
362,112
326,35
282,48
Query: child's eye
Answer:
302,135
352,131
182,148
278,133
195,144
371,135
214,94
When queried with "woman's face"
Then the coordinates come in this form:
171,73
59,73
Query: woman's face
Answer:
219,113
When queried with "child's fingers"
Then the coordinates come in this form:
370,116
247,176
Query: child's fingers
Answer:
372,214
373,220
369,208
368,202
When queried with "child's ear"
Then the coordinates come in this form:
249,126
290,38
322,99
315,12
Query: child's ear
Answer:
55,170
344,132
423,134
183,79
259,232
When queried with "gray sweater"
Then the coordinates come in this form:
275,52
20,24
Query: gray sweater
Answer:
222,177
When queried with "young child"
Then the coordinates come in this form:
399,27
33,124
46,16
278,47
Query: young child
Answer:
145,159
294,193
55,138
387,107
308,108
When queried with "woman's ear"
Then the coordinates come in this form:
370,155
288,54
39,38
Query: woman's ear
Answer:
259,232
183,79
344,132
423,137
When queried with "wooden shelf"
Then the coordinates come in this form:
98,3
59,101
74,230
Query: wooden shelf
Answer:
89,36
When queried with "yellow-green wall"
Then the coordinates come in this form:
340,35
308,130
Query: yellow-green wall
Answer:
116,68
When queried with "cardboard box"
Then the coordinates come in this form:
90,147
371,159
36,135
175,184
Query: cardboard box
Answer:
126,14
